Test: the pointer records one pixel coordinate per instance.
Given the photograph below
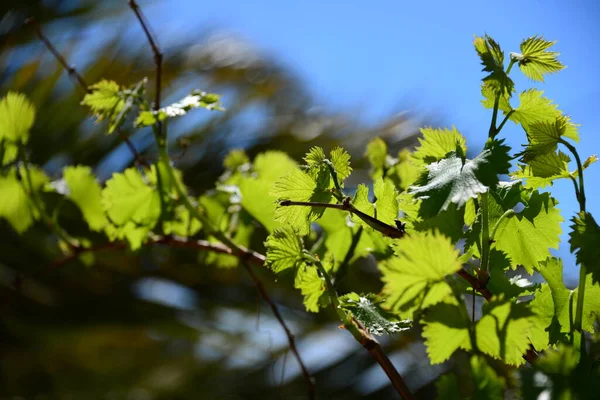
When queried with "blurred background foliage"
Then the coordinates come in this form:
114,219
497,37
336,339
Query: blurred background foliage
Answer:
162,323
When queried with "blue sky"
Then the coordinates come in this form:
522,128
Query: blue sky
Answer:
382,56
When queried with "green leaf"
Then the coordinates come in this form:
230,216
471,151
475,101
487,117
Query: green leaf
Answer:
315,156
85,191
492,59
489,89
377,155
298,186
182,223
445,330
543,170
503,330
543,306
241,224
407,169
437,143
285,250
313,287
585,243
17,115
235,159
16,206
551,270
488,385
268,168
271,165
416,277
448,388
450,181
8,152
534,107
339,234
544,137
341,163
106,101
127,198
197,99
527,237
367,310
535,60
386,204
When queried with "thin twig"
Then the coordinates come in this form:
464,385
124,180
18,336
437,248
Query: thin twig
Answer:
387,230
69,68
290,336
73,73
246,256
158,56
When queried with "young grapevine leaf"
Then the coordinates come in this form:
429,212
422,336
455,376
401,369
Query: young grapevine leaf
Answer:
235,159
448,388
285,250
132,206
271,165
313,287
8,152
386,204
543,170
297,185
17,115
488,385
86,192
197,99
339,234
377,155
182,223
492,59
315,156
268,167
451,180
551,270
16,205
127,197
584,241
367,310
527,236
341,163
503,330
535,60
445,329
407,169
416,277
547,329
106,102
437,143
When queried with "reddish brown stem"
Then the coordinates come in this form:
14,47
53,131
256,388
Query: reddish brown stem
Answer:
158,56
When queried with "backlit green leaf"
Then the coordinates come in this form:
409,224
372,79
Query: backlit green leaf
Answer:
503,330
17,115
437,143
128,199
416,277
85,191
535,60
585,243
313,288
285,250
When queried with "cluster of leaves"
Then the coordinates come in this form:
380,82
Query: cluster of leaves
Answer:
431,218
